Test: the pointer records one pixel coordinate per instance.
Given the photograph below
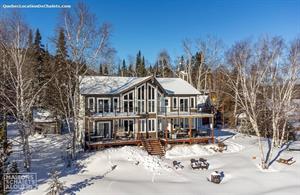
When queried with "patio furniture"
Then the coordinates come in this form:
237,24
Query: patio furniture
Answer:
177,165
216,177
289,161
199,164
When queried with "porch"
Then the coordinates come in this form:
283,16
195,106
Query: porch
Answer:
133,130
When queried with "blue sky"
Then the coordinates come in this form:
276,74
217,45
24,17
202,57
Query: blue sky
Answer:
154,25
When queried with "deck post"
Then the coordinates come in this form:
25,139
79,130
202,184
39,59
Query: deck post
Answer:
190,129
88,126
166,130
212,129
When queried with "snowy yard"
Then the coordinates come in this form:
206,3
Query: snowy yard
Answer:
138,173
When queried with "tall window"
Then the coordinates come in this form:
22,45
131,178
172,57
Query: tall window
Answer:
103,105
151,124
128,125
116,104
151,99
175,103
141,99
166,105
142,125
102,129
183,104
91,104
192,102
128,102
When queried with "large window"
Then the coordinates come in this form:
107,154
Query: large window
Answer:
102,129
128,102
91,104
128,125
141,99
184,104
151,99
151,125
103,105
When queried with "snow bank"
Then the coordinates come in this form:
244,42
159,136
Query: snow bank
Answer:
115,156
182,151
149,162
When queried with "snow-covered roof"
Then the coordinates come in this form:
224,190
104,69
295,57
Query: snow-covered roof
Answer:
41,115
177,86
115,85
107,84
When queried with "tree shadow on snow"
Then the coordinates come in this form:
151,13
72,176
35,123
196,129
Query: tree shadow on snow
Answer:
284,147
77,187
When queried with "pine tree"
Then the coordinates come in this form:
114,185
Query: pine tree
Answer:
140,65
101,70
124,71
14,167
30,39
38,64
56,187
58,65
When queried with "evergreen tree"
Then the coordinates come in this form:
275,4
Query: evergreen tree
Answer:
38,64
131,72
124,71
140,65
58,65
30,39
101,70
56,187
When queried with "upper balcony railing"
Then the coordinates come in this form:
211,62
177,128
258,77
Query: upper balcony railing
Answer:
138,111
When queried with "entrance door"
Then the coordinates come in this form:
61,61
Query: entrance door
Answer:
103,129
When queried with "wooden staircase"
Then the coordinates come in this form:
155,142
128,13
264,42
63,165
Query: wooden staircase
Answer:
154,147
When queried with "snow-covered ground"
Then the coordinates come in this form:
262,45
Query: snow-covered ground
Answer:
136,172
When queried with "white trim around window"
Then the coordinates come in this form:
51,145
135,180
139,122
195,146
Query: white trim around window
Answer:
192,102
91,104
103,108
151,125
143,125
175,107
99,129
116,107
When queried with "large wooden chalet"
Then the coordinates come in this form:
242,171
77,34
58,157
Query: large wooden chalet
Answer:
131,110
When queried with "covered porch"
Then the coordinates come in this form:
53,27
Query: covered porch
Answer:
187,128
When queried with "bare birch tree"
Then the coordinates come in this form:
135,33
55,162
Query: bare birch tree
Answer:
210,51
18,95
265,82
87,43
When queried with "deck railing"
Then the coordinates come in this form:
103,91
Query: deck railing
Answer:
137,111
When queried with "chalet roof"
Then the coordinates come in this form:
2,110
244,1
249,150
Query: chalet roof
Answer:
115,85
177,86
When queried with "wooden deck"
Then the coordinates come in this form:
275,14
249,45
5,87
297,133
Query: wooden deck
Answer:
111,143
136,142
197,140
